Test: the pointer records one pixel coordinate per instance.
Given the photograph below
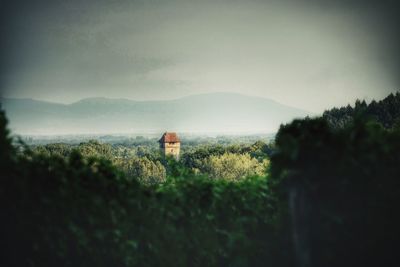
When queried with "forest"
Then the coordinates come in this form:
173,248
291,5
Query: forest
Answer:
143,160
324,192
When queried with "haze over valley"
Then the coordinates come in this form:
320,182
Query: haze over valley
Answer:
225,113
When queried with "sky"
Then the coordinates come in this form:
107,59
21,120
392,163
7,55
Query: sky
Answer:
307,54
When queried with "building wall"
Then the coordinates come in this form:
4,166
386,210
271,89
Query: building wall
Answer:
172,149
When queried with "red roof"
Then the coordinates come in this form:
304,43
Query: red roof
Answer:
169,138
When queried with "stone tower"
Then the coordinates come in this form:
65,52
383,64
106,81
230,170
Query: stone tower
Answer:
170,144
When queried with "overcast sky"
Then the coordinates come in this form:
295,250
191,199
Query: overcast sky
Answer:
306,53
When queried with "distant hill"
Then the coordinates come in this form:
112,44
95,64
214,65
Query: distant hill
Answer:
386,112
207,113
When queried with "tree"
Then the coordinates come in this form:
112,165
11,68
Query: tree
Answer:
342,190
146,171
94,148
234,167
386,112
58,149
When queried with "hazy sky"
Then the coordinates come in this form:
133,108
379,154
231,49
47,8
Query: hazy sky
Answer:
305,53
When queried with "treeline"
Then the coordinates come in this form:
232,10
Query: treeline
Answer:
149,140
386,112
330,198
148,165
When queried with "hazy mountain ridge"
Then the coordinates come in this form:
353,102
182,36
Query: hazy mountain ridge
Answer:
218,112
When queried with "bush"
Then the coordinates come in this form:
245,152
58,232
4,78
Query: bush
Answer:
342,191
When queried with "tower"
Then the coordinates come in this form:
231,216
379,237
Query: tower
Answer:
170,144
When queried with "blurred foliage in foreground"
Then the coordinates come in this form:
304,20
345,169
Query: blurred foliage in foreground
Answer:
82,211
340,190
330,199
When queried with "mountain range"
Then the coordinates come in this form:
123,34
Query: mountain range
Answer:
206,113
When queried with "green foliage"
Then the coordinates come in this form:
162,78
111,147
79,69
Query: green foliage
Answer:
56,149
260,150
330,199
148,172
144,163
96,149
6,149
203,159
81,211
234,167
341,189
386,112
